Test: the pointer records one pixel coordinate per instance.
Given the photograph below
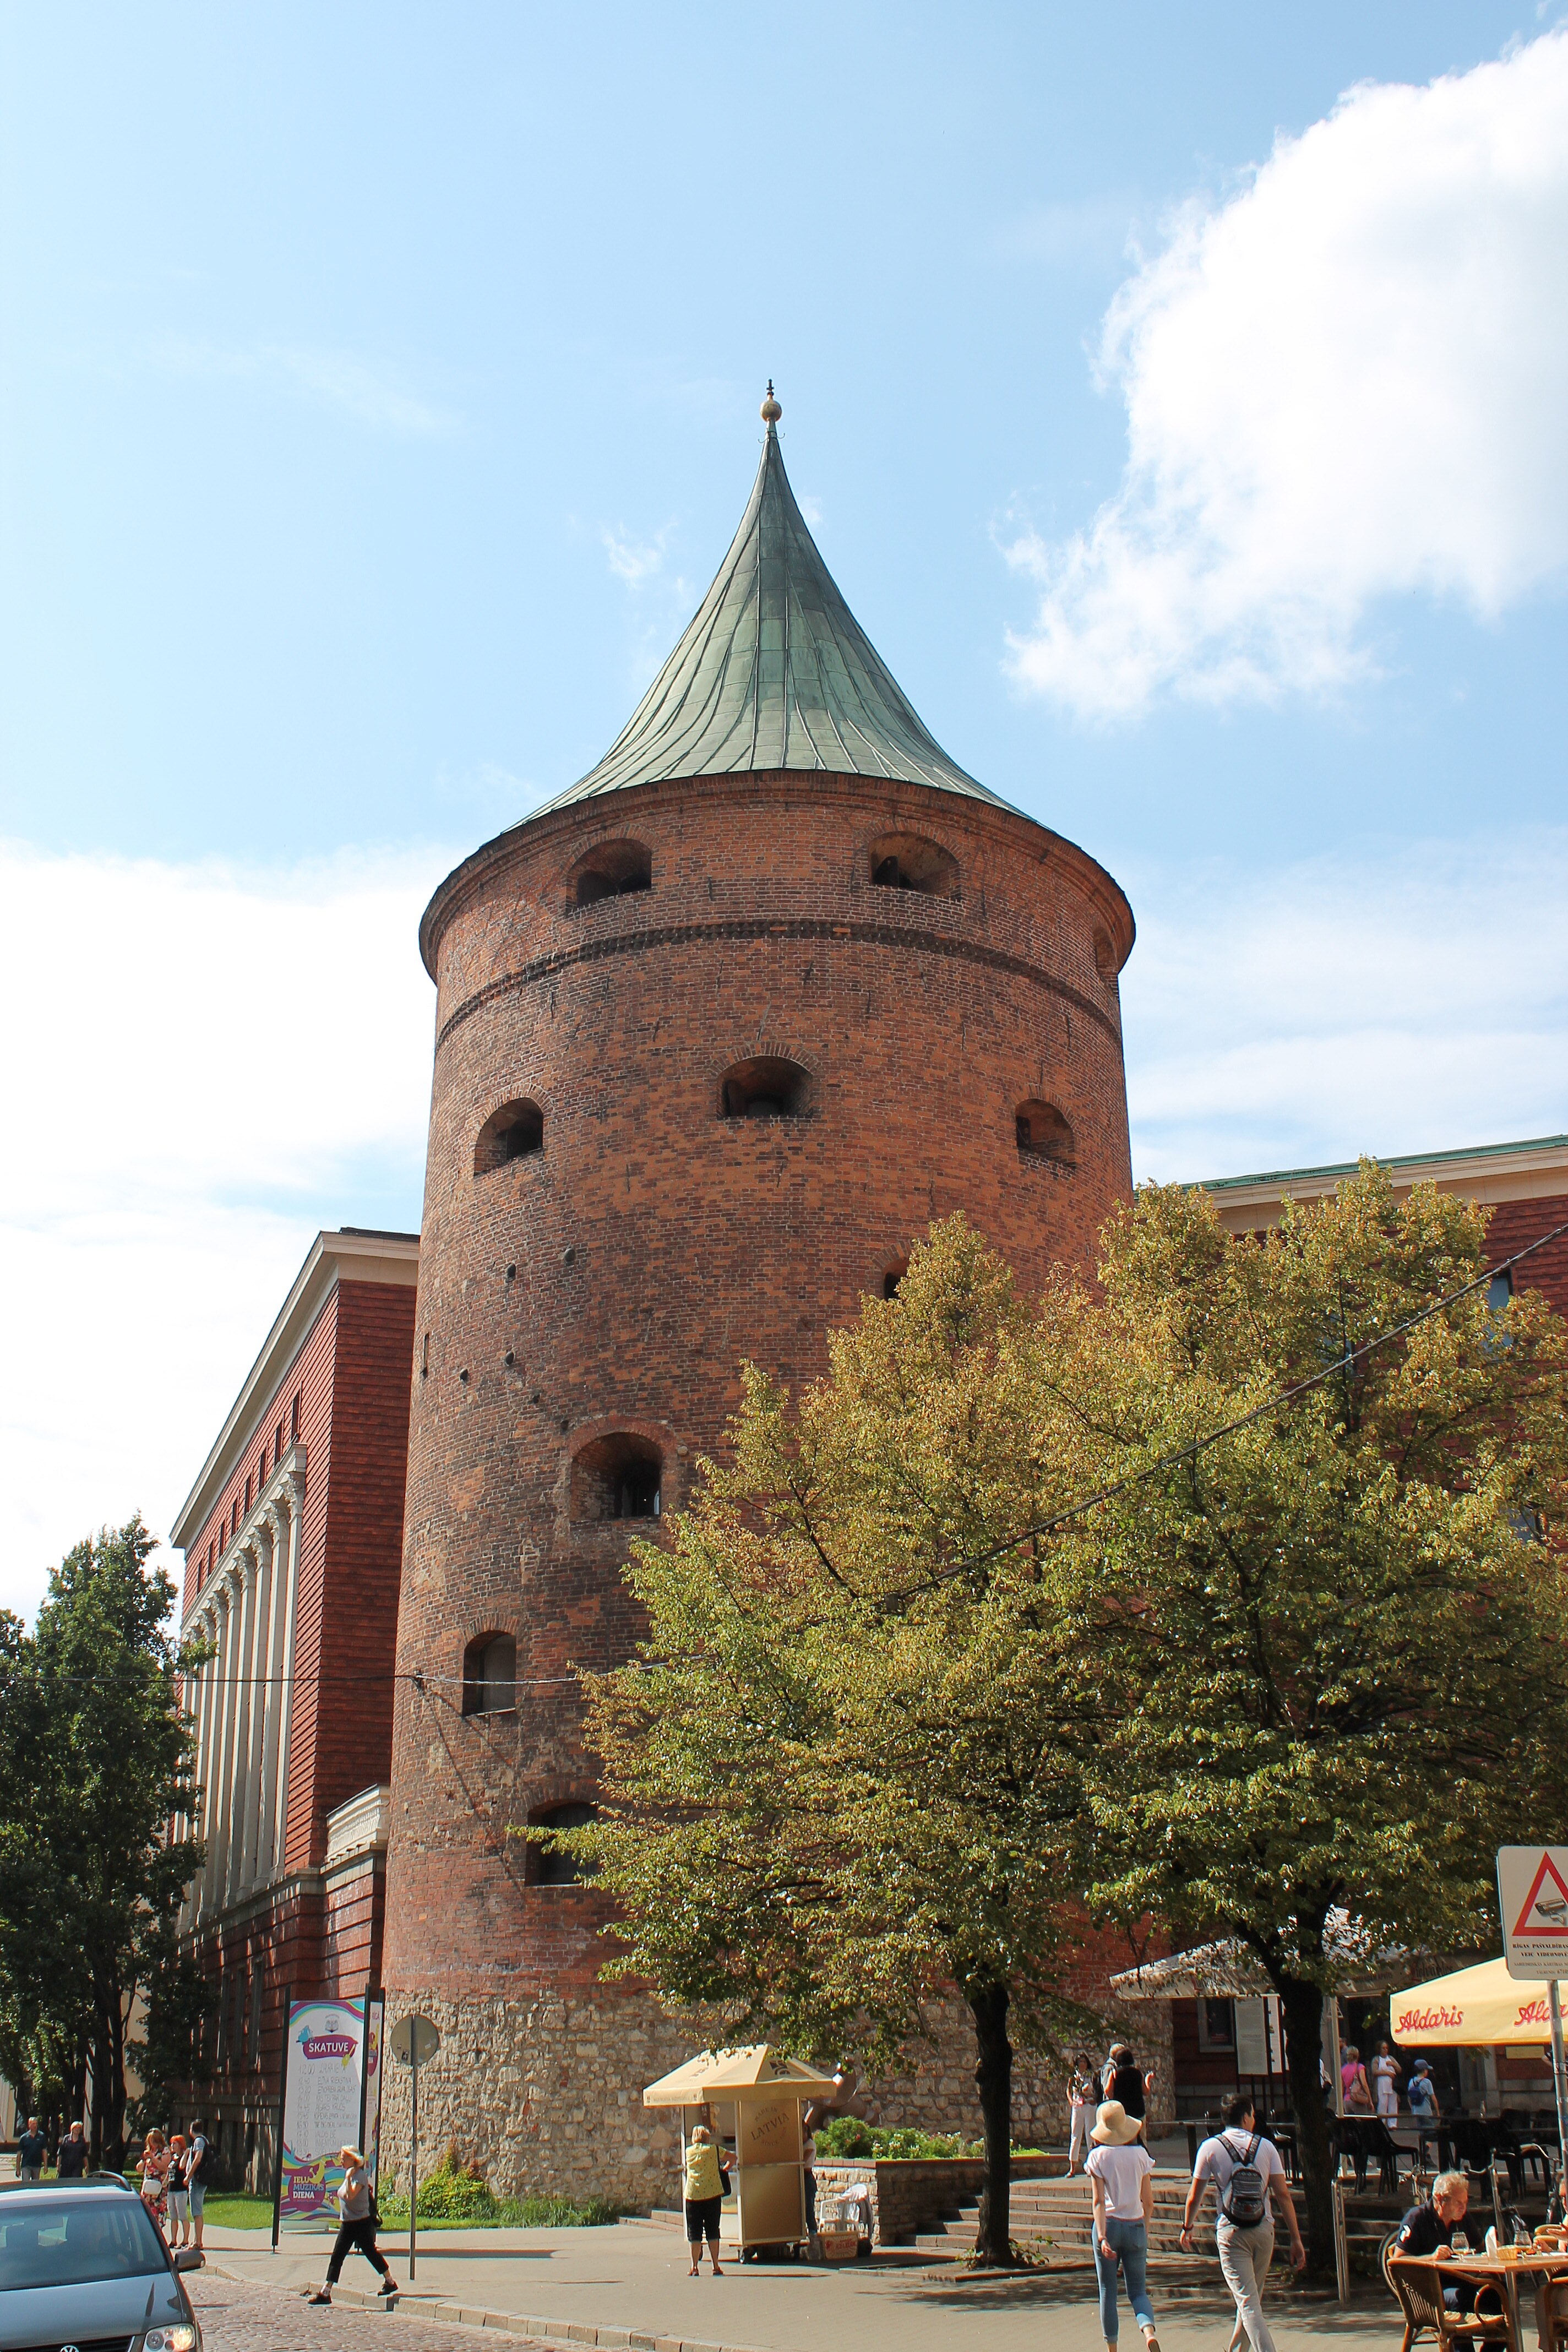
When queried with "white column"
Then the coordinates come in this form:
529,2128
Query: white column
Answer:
234,1825
267,1833
218,1776
202,1632
256,1668
293,1498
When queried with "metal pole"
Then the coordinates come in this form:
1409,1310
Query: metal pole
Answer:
1341,2250
413,2150
1559,2072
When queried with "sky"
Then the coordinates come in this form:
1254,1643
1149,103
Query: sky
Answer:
1176,395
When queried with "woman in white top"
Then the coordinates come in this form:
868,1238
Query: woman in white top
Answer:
1385,2082
1122,2183
1082,2100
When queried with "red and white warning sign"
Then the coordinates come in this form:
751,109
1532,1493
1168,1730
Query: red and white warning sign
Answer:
1532,1893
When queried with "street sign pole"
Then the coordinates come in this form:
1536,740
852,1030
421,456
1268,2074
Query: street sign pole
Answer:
1559,2070
1532,1896
413,2040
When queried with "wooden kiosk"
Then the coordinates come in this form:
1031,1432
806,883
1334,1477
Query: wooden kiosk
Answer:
752,2099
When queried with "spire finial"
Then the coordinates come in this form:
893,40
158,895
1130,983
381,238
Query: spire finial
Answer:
771,412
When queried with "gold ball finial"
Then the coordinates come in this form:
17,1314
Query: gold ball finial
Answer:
771,412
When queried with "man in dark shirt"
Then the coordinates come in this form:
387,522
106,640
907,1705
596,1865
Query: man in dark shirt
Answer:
1429,2230
31,2148
71,2164
1125,2080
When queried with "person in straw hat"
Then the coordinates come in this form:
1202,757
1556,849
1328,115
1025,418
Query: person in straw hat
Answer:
1122,2182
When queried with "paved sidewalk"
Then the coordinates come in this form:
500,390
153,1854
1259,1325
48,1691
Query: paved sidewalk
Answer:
237,2316
627,2285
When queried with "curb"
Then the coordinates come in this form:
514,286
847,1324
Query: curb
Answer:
507,2323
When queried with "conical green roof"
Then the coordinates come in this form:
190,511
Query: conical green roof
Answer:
774,671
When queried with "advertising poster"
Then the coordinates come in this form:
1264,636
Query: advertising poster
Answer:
374,2052
323,2102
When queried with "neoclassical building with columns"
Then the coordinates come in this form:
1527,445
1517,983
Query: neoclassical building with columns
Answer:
292,1537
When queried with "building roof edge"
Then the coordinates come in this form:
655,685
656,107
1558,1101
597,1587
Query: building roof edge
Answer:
348,1254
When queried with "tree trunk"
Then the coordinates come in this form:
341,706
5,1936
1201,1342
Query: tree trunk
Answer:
1301,2007
994,2079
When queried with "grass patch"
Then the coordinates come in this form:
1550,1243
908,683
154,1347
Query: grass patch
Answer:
236,2212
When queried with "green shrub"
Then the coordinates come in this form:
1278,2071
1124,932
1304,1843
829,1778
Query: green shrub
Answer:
845,2136
456,2192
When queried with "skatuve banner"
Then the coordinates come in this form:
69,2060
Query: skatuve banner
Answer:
331,2098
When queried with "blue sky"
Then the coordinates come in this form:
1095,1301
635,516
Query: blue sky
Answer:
380,391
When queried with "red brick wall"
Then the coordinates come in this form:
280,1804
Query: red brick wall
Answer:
1516,1223
655,1245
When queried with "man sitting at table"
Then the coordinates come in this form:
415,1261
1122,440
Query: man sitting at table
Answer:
1429,2230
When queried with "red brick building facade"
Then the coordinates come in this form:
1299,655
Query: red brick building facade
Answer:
292,1537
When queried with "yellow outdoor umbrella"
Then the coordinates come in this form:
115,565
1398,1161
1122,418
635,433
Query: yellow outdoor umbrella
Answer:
1474,2007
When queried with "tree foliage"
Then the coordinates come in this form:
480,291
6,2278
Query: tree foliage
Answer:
1328,1648
95,1763
836,1784
1224,1592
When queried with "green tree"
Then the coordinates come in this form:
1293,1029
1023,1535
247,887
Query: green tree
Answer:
835,1784
95,1766
1327,1649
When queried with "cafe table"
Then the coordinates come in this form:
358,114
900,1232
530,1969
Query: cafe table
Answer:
1507,2270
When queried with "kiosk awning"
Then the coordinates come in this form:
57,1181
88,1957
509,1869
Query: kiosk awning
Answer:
757,2071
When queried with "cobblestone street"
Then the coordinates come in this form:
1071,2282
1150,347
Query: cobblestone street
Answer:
237,2316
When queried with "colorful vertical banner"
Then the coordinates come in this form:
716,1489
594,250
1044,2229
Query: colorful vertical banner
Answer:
324,2100
374,2052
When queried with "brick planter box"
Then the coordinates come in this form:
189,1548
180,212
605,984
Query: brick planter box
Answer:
910,2194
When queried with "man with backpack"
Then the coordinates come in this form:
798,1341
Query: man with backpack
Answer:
1246,2173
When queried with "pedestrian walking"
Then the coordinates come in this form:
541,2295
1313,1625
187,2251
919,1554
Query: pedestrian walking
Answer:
71,2162
707,2186
198,2171
1082,2098
32,2149
1246,2173
1122,2185
357,2224
176,2196
1386,2074
1127,2083
1422,2094
1357,2090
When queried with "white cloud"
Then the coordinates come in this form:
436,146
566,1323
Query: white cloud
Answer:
203,1069
632,560
1346,383
339,380
1406,1004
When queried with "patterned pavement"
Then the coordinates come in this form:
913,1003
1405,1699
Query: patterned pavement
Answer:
237,2316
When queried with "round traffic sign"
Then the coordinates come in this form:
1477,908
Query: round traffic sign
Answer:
415,2041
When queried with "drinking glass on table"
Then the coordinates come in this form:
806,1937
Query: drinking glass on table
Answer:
1460,2242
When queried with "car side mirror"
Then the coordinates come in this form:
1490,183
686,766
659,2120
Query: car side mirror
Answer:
187,2258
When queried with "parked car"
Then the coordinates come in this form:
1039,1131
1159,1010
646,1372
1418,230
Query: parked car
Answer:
86,2264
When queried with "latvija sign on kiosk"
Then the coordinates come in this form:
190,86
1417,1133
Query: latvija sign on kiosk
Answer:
1532,1895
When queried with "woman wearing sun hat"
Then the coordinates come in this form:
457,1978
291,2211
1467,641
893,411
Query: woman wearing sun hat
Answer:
1122,2183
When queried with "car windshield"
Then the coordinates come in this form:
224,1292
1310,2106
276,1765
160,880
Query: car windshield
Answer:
66,2240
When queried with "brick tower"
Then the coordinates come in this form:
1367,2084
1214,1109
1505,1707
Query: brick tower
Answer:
719,1030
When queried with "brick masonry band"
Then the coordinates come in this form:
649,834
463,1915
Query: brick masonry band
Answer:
886,935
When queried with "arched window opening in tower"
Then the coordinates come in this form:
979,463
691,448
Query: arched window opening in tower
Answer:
764,1089
616,1477
907,861
613,870
552,1865
513,1132
893,1276
489,1674
1045,1134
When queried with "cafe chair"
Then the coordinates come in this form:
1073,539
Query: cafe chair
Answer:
1418,2288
